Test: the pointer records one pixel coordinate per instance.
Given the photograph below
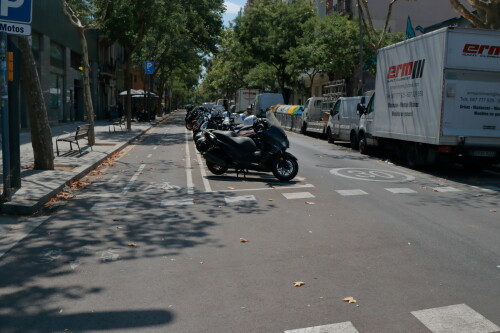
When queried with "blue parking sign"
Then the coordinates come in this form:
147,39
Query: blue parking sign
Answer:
150,67
16,10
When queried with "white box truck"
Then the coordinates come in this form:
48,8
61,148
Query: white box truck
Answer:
244,98
437,96
265,101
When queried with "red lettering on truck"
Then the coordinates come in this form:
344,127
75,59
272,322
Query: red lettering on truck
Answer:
414,69
481,49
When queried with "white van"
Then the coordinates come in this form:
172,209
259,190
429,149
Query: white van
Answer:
343,122
264,101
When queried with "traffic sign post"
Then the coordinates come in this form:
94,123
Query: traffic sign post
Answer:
4,107
16,11
149,68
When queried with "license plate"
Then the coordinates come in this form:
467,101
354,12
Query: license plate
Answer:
481,153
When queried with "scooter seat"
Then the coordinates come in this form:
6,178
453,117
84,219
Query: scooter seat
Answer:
219,134
241,143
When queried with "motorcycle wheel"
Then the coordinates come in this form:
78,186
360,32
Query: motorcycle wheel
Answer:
285,168
189,126
216,169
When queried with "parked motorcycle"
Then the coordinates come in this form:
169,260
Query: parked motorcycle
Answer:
265,152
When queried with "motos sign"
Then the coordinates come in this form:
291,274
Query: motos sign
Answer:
16,10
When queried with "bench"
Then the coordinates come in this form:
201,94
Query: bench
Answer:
82,132
117,122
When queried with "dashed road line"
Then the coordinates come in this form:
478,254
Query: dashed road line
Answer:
208,188
268,188
446,189
455,318
241,198
189,173
179,202
351,192
132,180
155,147
345,327
401,190
298,195
149,155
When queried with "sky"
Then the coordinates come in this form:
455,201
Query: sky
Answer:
232,9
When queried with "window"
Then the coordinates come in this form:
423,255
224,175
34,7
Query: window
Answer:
56,55
336,108
56,88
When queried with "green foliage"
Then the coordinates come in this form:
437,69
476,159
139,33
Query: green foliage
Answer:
270,30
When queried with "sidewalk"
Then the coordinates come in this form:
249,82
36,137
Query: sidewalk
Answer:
38,187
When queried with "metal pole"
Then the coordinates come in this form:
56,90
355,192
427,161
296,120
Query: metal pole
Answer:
4,107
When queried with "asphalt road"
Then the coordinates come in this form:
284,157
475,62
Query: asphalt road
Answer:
153,244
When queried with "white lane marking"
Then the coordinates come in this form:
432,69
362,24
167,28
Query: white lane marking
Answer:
112,179
149,155
446,189
372,175
401,190
108,205
268,188
351,192
455,318
345,327
155,147
298,195
180,202
241,198
133,179
208,188
189,174
13,235
300,179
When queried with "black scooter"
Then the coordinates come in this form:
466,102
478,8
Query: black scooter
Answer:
265,152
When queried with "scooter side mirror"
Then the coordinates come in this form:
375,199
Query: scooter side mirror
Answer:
331,112
361,109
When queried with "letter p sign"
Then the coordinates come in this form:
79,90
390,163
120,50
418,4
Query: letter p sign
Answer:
16,10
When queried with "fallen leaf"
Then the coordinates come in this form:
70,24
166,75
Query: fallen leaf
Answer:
298,284
230,188
479,195
350,299
423,186
244,240
493,210
274,186
132,244
310,203
116,220
270,199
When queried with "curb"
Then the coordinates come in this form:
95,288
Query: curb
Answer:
29,207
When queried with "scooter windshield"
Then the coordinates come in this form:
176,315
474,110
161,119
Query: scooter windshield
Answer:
272,120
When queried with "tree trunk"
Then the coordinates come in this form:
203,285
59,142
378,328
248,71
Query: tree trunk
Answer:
128,97
86,85
41,136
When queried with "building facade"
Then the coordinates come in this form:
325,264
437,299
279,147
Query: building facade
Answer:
57,51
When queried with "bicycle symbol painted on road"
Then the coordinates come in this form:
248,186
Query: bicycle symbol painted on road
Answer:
372,175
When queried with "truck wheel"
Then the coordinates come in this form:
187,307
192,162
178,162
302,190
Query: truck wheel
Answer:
303,129
363,147
354,141
329,135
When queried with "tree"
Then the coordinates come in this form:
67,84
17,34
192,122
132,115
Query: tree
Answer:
271,29
486,15
376,38
330,45
41,136
87,10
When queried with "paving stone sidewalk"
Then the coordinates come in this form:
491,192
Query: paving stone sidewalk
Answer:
38,187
